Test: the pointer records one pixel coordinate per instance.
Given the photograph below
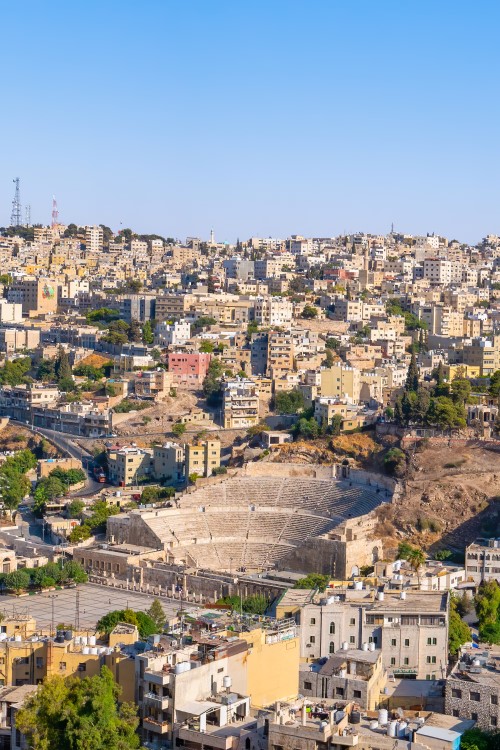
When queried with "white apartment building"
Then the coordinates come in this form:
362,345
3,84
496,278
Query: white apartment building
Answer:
240,404
273,311
172,334
438,271
10,312
94,239
410,628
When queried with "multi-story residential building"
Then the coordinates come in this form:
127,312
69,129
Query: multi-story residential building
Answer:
325,409
172,334
280,354
238,268
139,307
171,306
128,465
240,404
94,239
482,561
438,271
483,353
273,311
410,628
341,381
169,463
10,312
153,383
472,690
38,296
203,457
16,339
188,368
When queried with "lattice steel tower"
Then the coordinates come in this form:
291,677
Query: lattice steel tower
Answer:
16,215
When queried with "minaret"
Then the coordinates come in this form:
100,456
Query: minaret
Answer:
212,237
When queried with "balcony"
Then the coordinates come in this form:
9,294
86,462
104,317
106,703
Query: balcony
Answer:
152,725
159,677
194,739
159,701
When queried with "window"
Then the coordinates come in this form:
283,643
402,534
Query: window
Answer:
332,647
357,693
39,662
473,716
455,712
308,686
352,639
494,700
432,641
393,641
473,696
312,621
332,628
455,693
406,661
312,639
407,642
339,692
393,661
493,721
220,670
82,667
352,621
431,660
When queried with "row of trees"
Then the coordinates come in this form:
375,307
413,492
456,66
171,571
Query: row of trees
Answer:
45,576
147,623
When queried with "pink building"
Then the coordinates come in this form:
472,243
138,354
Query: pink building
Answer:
188,369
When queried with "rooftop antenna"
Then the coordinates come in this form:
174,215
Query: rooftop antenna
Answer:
28,215
15,217
55,212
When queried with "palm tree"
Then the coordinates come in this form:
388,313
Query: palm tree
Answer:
416,559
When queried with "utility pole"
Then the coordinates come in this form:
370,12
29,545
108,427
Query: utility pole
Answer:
77,611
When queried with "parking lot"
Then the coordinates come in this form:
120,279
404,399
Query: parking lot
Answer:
95,601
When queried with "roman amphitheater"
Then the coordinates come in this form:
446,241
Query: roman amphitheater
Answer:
274,516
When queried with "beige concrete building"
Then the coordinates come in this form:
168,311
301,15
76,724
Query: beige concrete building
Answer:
240,404
169,463
128,466
340,381
38,296
203,457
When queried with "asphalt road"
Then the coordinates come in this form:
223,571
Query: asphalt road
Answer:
66,445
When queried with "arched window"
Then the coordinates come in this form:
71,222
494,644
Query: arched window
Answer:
332,647
332,628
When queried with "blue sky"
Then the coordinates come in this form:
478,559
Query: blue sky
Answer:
269,117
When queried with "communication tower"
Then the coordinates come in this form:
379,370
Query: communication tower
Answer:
55,212
15,217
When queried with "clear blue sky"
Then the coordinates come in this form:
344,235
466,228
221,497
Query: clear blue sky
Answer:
262,117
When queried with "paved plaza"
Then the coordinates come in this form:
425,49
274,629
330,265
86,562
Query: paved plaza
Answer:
95,601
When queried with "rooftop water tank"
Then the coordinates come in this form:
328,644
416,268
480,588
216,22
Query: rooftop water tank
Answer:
183,666
358,585
345,646
355,717
92,640
331,600
18,638
84,640
374,724
371,646
86,650
93,650
226,681
383,716
403,595
364,647
392,728
380,596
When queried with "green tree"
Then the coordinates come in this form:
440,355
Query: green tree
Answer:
495,383
147,333
17,580
336,425
46,370
79,534
309,311
212,384
445,414
458,631
395,462
412,375
157,614
73,571
312,581
461,390
206,347
487,602
416,558
74,714
289,402
179,428
62,366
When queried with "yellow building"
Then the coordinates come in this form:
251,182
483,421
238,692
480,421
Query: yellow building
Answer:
202,458
272,664
340,381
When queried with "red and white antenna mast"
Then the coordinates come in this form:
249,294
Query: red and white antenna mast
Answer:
55,212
